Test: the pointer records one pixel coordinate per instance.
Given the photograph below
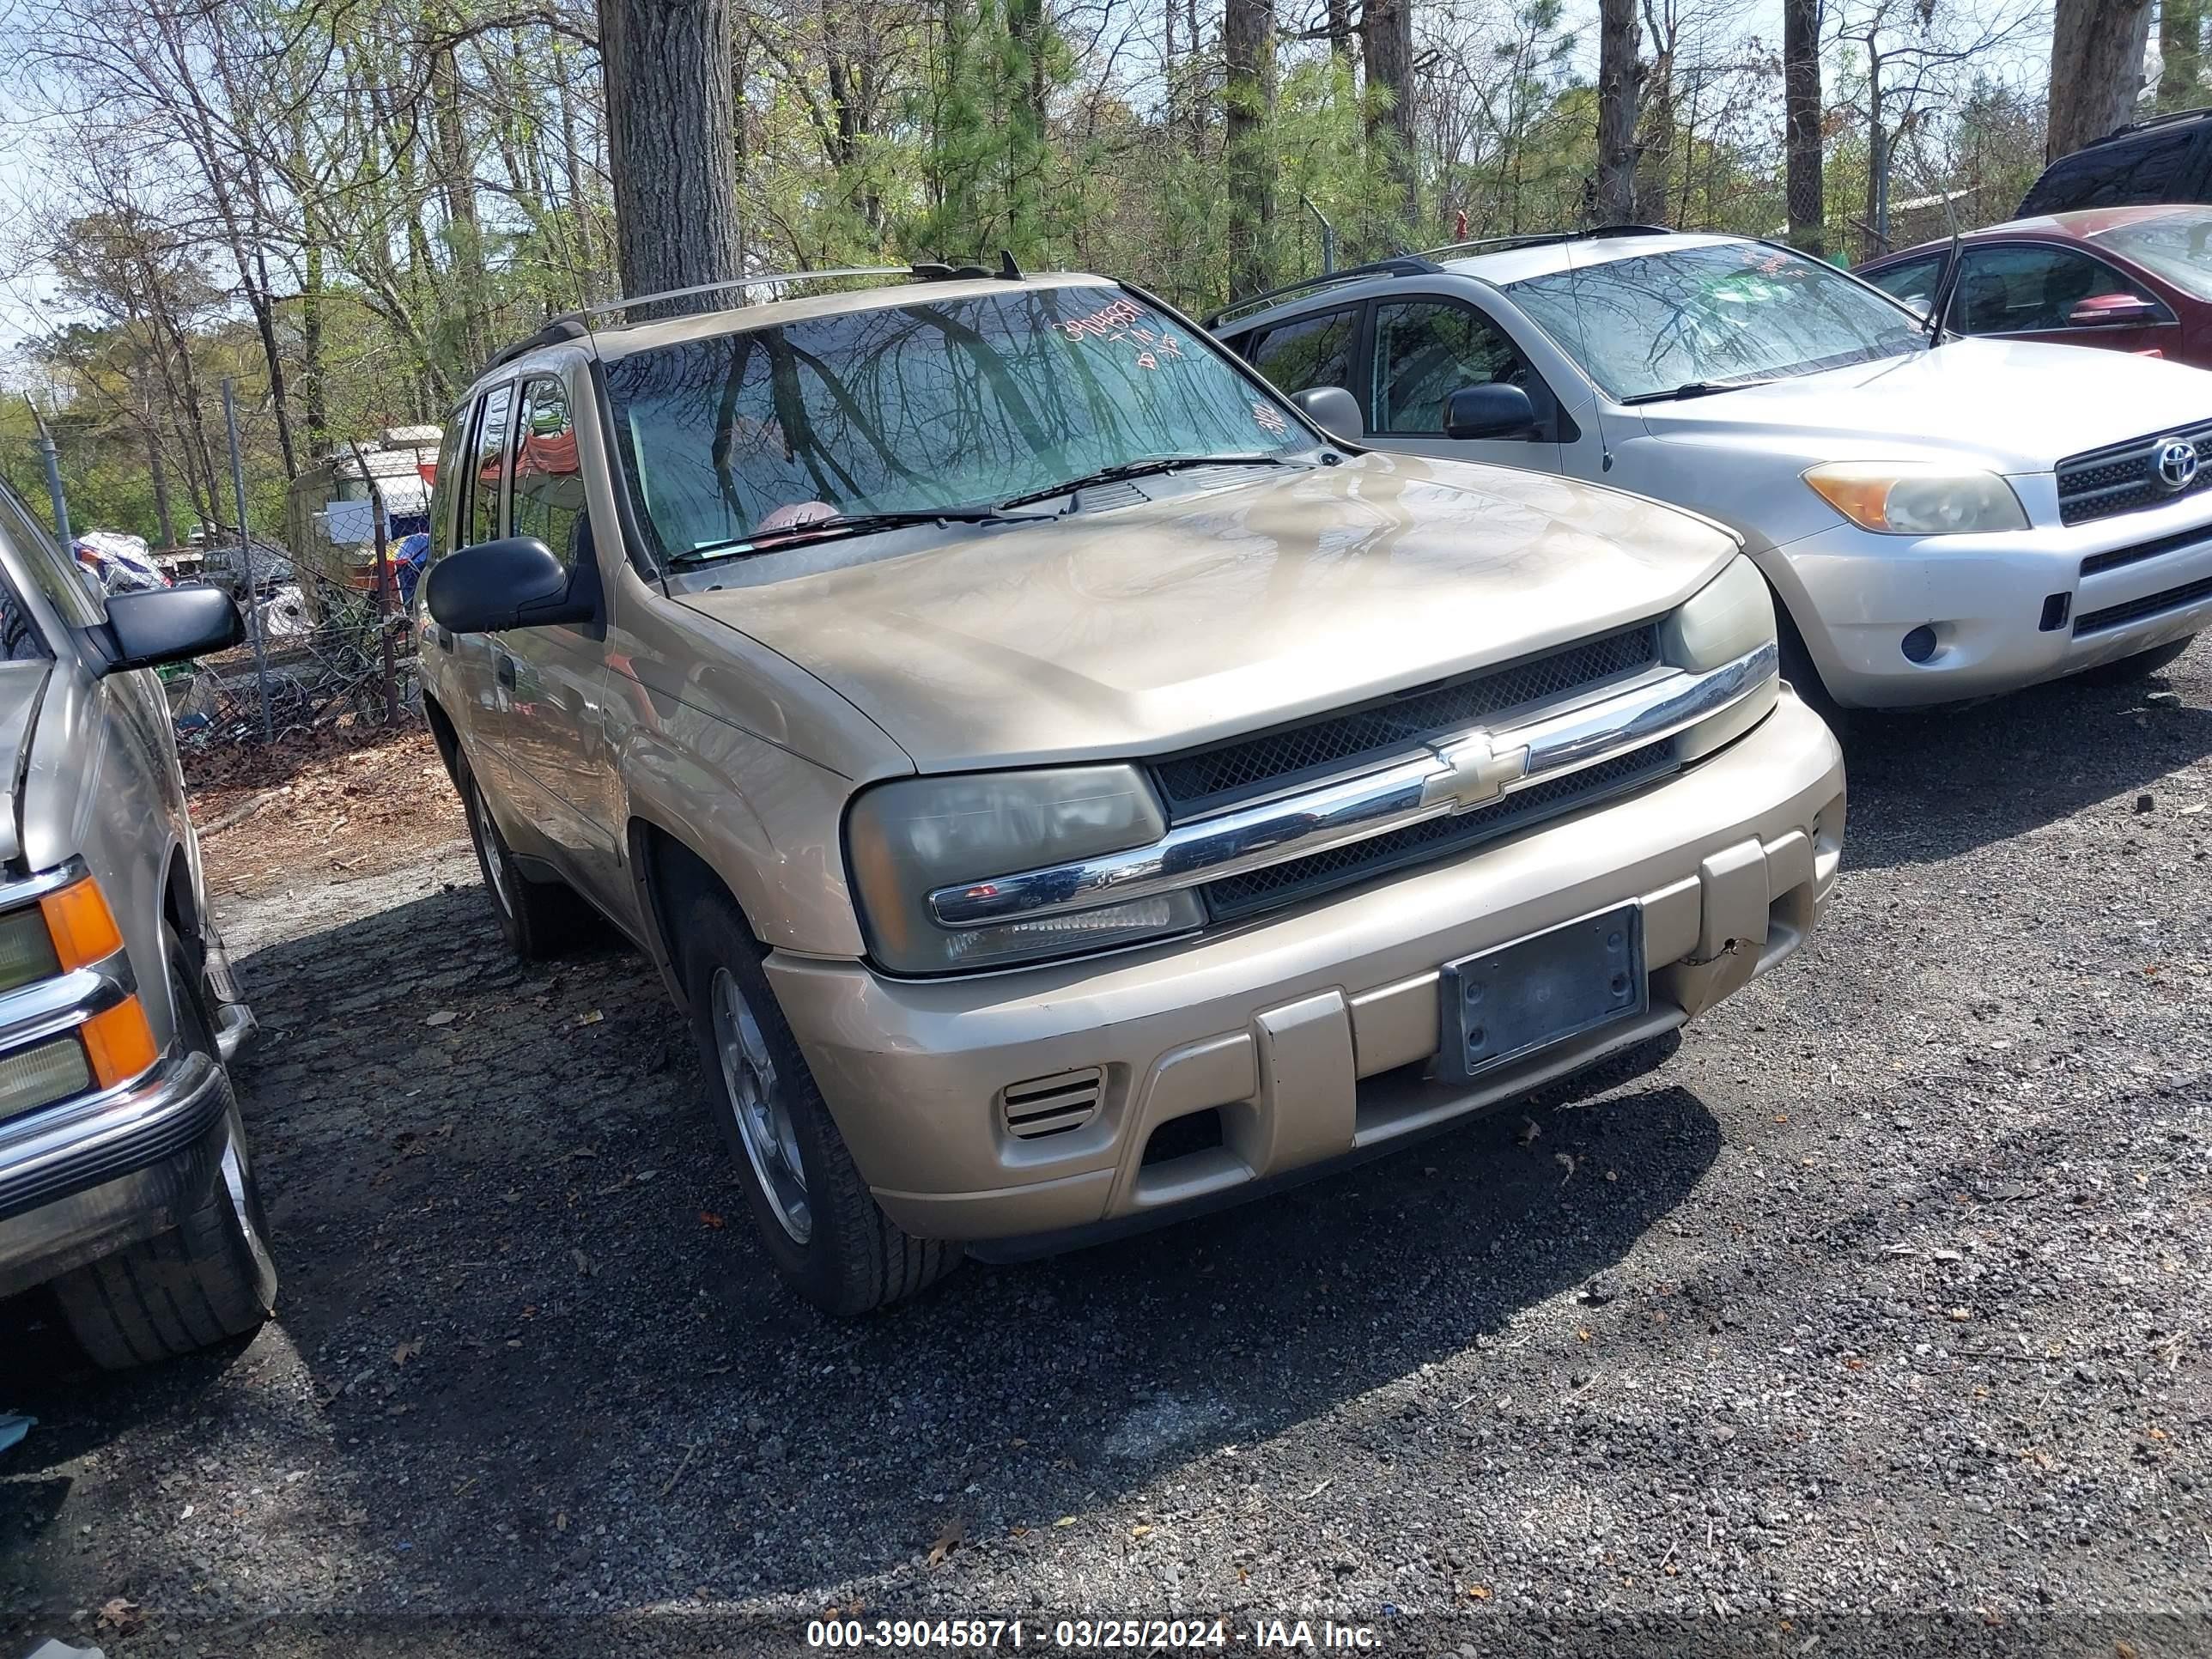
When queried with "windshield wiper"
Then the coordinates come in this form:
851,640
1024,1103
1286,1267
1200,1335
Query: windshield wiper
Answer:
1150,467
853,524
1694,389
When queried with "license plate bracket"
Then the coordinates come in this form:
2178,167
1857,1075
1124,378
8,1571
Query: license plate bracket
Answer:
1506,1003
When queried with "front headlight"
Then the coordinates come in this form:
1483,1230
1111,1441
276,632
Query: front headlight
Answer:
906,838
1730,616
1914,498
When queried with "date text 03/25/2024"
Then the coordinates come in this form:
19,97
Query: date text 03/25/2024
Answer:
1090,1634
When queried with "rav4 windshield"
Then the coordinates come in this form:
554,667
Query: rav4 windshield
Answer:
941,401
1646,326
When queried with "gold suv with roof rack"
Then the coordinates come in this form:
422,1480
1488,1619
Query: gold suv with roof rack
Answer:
1061,786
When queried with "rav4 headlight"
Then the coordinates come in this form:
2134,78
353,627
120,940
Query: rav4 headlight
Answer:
1730,617
1914,498
907,838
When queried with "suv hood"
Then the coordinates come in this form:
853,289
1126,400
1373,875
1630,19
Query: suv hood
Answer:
2011,406
1224,609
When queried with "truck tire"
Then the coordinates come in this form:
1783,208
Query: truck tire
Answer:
205,1281
538,919
814,1213
2141,666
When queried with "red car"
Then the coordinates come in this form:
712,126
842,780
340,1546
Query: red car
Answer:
2126,278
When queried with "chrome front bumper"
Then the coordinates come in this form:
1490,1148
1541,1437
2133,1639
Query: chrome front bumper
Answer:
80,1180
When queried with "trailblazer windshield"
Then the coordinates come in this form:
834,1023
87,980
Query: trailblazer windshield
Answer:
744,439
1648,327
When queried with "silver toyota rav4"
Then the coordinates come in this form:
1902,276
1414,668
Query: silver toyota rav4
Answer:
1064,788
125,1181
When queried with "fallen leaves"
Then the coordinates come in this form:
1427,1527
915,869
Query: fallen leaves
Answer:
708,1218
949,1537
443,1017
406,1351
1530,1134
118,1615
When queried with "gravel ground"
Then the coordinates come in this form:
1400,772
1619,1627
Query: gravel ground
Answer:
1875,1319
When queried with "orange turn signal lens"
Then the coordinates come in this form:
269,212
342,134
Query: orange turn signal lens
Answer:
119,1042
83,926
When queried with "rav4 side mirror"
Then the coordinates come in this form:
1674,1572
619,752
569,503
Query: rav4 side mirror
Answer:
514,582
170,624
2114,311
1497,410
1334,409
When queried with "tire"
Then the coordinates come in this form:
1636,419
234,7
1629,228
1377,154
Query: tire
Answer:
814,1213
206,1280
539,920
1804,676
2141,666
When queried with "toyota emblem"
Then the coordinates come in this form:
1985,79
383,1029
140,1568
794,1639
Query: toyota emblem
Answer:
2176,463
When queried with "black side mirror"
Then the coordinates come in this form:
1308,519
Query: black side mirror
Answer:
1334,409
1496,411
515,582
170,624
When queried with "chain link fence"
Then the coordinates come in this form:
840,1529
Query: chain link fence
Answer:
322,664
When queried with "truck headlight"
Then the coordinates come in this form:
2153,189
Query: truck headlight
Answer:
905,838
1914,498
1730,616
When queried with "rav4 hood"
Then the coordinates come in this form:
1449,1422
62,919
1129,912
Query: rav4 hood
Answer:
2009,406
1218,611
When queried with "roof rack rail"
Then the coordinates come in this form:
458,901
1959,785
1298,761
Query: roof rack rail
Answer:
2150,121
1407,265
573,325
1545,239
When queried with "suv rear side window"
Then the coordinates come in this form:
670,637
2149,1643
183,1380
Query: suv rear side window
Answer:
2158,167
549,485
1425,351
1308,352
488,468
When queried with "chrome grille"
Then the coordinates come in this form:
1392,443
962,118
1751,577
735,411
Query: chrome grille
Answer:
2124,478
1207,780
1302,878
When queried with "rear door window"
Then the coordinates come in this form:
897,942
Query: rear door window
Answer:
1309,351
487,466
2028,290
2157,166
1425,351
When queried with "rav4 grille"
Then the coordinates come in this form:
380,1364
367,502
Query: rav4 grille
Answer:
2125,477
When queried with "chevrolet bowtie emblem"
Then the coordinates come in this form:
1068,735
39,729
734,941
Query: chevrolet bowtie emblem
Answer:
1477,773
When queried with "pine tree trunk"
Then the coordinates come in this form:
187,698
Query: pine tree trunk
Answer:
1387,39
1618,77
1247,49
2180,52
1800,65
2096,69
670,117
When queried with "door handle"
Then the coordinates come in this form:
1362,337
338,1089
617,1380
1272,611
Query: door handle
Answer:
505,670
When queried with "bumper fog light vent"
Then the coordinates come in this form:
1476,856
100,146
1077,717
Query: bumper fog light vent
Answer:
1052,1105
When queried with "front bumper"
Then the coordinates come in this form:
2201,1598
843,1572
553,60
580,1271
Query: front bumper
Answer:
83,1179
1308,1031
2007,610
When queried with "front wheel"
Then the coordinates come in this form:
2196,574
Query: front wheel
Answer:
815,1215
208,1278
2141,666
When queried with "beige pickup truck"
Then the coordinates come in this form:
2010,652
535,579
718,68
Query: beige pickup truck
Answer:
1062,786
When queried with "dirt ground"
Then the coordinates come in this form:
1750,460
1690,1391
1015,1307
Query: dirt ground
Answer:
1873,1321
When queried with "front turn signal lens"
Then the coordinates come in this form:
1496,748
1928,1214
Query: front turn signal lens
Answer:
81,926
119,1042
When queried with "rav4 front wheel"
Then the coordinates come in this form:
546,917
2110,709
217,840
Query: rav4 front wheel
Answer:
816,1218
